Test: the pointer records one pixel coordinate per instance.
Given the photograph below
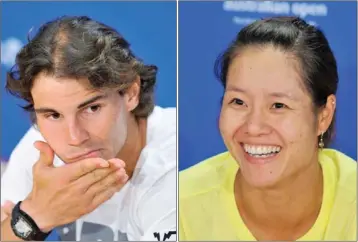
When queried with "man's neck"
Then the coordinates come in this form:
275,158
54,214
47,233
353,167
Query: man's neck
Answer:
135,142
291,206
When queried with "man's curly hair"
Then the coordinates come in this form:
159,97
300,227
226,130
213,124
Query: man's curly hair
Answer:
79,47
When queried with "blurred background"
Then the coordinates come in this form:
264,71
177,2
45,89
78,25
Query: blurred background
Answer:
150,27
206,29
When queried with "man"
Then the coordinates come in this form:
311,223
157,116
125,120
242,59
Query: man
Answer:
100,161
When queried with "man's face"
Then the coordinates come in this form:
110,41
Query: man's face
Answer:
79,122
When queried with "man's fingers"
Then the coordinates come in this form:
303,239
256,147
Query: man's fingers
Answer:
46,153
111,180
105,195
85,181
117,163
80,168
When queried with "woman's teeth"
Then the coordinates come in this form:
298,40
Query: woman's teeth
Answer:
261,150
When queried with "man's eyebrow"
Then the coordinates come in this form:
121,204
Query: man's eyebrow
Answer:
92,100
45,110
85,103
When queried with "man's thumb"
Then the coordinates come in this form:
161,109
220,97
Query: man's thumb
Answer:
46,153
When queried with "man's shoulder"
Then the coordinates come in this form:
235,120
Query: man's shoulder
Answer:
162,135
25,147
16,181
26,152
163,120
169,111
206,175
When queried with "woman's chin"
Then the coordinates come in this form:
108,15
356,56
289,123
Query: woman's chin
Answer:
260,177
261,182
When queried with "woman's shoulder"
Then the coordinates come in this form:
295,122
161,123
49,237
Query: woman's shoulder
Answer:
341,173
205,175
345,166
344,170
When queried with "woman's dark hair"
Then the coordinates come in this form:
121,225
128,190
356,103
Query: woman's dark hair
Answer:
79,47
308,45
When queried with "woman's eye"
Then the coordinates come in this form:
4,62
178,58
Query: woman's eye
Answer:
237,101
279,105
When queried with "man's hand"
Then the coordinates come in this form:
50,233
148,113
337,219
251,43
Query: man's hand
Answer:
62,195
6,210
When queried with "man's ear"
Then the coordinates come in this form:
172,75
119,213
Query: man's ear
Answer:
325,116
131,95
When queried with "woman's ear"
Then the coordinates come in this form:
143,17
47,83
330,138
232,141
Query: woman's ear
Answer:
326,114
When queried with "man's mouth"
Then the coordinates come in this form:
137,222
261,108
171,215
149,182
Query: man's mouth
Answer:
89,154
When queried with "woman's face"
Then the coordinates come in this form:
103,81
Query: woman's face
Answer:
267,120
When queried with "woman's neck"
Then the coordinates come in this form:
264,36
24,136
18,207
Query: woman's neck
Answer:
285,211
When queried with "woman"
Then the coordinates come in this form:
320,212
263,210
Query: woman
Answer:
277,181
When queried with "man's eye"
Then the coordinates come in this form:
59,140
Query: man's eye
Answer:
53,116
93,109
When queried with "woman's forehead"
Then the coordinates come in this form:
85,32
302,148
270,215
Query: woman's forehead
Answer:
268,68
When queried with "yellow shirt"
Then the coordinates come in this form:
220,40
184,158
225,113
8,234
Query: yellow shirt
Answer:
207,207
